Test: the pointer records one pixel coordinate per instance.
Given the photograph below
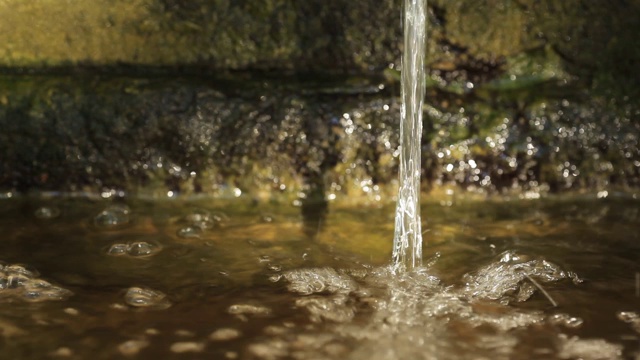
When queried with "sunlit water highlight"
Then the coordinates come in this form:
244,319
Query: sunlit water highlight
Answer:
407,242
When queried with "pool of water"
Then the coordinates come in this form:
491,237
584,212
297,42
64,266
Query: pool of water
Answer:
553,278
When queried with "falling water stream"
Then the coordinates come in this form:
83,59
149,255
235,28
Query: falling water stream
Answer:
237,279
407,242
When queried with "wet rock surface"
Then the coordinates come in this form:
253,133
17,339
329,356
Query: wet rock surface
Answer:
264,97
267,135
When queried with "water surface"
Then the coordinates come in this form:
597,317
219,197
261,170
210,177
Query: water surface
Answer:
246,279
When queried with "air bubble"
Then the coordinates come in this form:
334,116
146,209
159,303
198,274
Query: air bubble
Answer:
134,249
198,215
309,281
118,249
47,213
204,220
142,248
146,298
113,215
190,232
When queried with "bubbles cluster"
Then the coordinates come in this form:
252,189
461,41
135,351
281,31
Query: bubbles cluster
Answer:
419,306
16,281
135,249
200,220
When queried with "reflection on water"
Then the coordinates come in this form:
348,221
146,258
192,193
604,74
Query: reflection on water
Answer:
539,279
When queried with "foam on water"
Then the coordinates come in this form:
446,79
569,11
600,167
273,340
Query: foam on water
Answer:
588,349
508,279
407,242
412,314
19,282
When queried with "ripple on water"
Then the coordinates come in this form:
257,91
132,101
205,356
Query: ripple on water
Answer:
140,297
16,281
113,215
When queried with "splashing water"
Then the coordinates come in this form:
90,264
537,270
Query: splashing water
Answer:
407,242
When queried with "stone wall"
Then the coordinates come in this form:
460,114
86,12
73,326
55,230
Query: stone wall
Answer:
279,95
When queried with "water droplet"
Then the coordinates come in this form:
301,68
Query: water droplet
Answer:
113,215
47,212
146,298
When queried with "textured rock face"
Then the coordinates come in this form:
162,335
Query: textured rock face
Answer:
521,94
265,135
221,34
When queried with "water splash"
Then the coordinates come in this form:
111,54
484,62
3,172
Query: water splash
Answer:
407,242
